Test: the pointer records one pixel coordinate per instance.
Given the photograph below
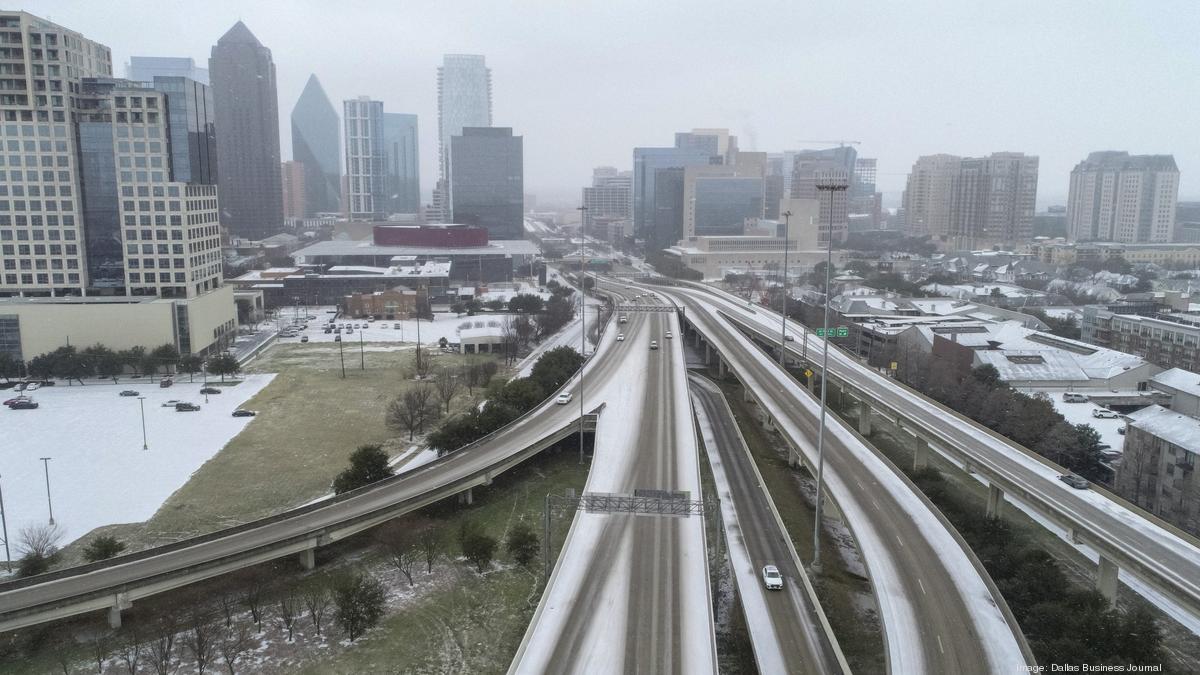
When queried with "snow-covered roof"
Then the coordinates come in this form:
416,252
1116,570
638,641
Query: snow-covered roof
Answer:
1180,380
1033,365
1175,428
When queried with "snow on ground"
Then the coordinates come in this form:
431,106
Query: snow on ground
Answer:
1081,413
444,325
99,473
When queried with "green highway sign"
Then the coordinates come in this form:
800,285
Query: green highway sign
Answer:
839,331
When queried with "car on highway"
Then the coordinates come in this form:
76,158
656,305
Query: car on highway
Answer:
241,412
620,337
172,403
1104,414
622,319
789,338
210,390
23,405
772,579
1077,482
654,344
564,398
669,336
129,392
186,407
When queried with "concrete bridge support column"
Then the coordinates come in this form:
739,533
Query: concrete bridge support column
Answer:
920,453
467,497
1106,579
708,354
120,602
487,478
722,368
995,501
308,558
864,419
746,397
812,381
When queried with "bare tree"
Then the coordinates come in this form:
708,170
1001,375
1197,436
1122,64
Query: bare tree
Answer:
200,639
130,650
289,610
162,648
422,363
397,540
429,545
252,597
317,600
102,648
40,540
234,643
509,337
526,329
411,411
448,386
229,603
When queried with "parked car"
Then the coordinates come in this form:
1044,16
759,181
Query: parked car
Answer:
1104,414
620,337
337,338
1074,397
772,579
1077,482
129,392
654,344
165,382
172,403
1121,430
328,330
16,399
337,331
564,398
23,405
395,326
210,390
186,407
304,338
240,412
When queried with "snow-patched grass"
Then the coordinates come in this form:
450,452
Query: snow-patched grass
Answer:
99,473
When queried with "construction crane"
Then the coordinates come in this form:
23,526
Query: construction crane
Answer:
841,143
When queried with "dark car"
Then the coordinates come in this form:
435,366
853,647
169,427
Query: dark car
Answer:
1077,482
244,413
23,405
129,392
186,407
210,390
18,399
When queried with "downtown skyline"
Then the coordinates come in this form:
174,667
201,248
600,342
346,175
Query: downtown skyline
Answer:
1037,100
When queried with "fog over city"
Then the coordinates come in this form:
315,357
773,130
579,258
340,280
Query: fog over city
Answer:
585,82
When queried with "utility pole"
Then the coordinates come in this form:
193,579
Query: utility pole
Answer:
142,406
829,183
582,318
787,215
362,358
4,525
342,355
46,466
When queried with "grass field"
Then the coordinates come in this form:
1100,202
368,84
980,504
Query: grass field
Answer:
310,420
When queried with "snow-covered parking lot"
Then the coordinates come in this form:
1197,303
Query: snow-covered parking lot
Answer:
99,473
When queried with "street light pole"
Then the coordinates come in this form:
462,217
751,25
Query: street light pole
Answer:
342,356
46,466
830,183
362,357
787,215
142,406
582,317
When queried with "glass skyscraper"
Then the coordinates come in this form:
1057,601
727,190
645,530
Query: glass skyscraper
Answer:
723,203
464,99
487,181
146,68
401,158
315,146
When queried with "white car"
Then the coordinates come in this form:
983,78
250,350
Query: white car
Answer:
564,398
1104,413
669,336
172,403
772,579
654,344
620,337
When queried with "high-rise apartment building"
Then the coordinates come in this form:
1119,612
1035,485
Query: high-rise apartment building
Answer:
192,118
487,181
609,195
973,202
315,145
42,233
401,163
247,114
1115,196
294,197
365,165
464,100
146,68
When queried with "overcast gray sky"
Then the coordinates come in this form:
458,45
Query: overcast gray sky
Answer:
585,82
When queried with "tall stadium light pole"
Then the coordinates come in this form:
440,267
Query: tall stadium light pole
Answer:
49,504
4,528
830,184
787,216
582,317
142,406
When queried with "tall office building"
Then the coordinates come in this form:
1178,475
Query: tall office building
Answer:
655,219
995,200
365,165
247,113
315,143
464,100
146,68
1115,196
972,202
294,198
807,167
42,222
401,163
192,127
609,195
487,181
